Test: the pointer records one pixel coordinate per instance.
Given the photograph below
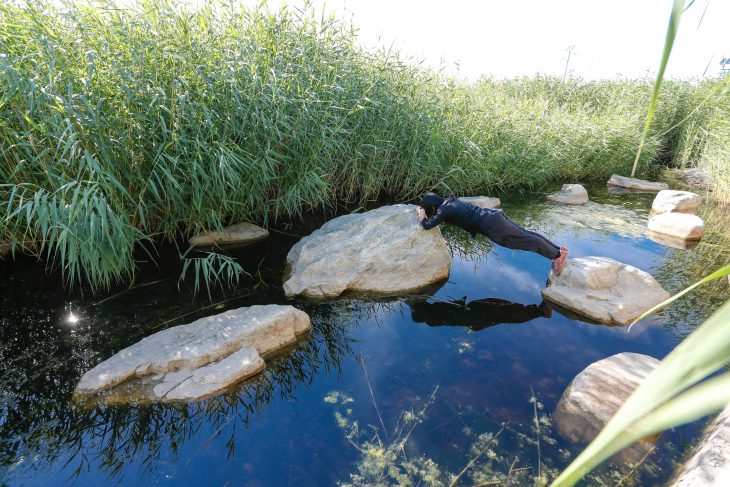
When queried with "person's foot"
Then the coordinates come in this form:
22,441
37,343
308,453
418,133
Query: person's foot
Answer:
559,262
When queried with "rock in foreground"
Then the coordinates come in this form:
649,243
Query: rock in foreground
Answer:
482,201
668,201
570,194
596,394
635,184
709,465
197,360
238,234
382,251
604,290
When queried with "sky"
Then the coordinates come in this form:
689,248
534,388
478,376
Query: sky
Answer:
509,38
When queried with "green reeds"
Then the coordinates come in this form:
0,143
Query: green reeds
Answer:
122,127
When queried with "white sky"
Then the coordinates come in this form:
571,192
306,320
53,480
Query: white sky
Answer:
508,38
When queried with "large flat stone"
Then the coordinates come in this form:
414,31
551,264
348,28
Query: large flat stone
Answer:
594,396
482,201
238,234
382,251
201,358
694,176
678,225
635,184
604,290
570,194
668,201
709,464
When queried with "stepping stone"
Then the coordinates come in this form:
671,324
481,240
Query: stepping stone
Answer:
238,234
197,360
635,184
671,201
383,251
709,464
5,251
677,225
571,194
482,201
604,290
594,396
694,176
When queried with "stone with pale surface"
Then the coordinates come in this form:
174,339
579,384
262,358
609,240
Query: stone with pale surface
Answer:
709,464
678,225
382,251
570,194
604,290
694,176
635,184
238,234
482,201
668,201
204,357
597,393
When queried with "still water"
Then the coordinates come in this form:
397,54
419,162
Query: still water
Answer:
443,373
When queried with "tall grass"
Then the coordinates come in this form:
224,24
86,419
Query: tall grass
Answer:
121,127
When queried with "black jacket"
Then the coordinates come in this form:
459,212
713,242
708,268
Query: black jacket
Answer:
459,213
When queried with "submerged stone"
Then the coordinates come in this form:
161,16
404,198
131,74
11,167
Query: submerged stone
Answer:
635,184
238,234
594,396
673,242
669,201
382,251
482,201
199,359
709,464
571,194
604,290
681,226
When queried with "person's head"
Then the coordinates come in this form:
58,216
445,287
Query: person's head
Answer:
431,202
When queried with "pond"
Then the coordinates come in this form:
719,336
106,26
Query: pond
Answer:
457,382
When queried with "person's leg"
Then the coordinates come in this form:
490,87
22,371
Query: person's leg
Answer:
503,231
535,234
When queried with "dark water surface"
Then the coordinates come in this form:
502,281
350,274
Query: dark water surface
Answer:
481,349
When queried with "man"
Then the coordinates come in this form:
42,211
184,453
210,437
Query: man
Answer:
493,224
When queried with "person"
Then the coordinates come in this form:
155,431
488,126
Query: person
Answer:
491,223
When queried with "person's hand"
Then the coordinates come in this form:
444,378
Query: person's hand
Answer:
421,214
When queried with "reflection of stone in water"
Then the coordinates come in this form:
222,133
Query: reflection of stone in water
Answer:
597,217
673,242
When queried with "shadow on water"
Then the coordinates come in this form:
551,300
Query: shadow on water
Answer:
280,428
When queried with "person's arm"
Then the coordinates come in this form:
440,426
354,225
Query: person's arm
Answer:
429,223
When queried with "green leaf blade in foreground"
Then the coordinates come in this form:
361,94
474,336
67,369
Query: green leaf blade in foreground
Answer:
672,28
703,352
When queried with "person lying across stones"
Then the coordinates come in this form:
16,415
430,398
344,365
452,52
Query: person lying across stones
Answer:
491,223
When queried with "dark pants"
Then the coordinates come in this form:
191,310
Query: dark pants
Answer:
501,230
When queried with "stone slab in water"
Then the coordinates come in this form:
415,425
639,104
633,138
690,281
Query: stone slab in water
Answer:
635,184
596,394
570,194
202,358
681,226
709,464
482,201
671,201
673,242
382,251
604,290
238,234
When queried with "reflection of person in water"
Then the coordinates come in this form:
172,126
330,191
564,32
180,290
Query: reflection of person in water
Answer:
477,314
491,223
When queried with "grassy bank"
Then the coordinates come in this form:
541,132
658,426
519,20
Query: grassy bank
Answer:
125,127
